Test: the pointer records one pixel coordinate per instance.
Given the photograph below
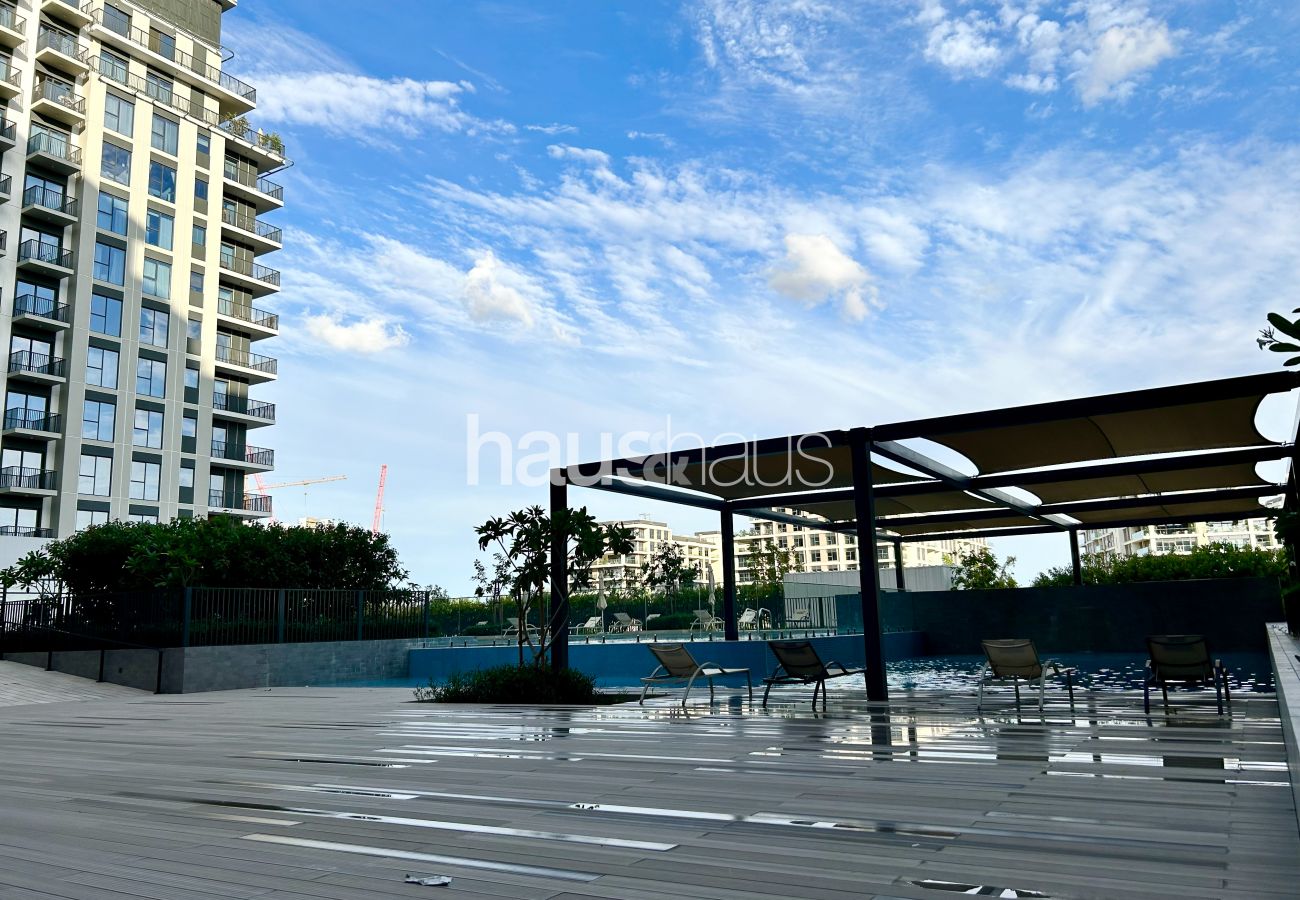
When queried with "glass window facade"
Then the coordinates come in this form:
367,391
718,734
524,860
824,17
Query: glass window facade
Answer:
151,378
112,213
106,315
94,477
97,418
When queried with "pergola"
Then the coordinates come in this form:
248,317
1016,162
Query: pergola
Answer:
1177,454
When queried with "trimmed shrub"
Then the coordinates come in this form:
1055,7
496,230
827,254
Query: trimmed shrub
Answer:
671,622
512,684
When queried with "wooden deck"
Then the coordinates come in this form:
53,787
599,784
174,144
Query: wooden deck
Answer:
320,793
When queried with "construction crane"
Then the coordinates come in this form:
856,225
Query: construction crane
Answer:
263,486
379,501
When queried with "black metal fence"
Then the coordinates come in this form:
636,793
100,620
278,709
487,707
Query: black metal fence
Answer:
197,617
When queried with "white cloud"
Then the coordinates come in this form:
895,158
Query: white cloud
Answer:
491,293
1120,52
362,336
581,154
814,269
553,128
962,46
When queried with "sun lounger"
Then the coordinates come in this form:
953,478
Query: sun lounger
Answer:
624,622
752,620
706,621
512,629
1183,659
1016,659
799,663
676,665
591,626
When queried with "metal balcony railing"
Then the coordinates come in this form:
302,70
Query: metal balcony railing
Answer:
243,406
247,313
56,145
251,269
159,93
39,251
10,19
248,360
257,456
60,42
10,76
252,224
33,420
32,305
264,185
260,503
18,477
6,185
8,130
240,129
37,195
37,363
58,92
150,42
22,531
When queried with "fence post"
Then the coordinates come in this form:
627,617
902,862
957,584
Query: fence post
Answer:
280,613
185,629
361,612
426,614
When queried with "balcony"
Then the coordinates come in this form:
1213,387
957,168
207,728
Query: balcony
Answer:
8,133
257,369
23,531
48,259
253,231
160,94
265,147
253,458
252,413
50,206
38,367
11,81
235,96
66,11
33,423
262,193
239,504
258,280
6,188
62,51
41,312
13,27
259,322
28,482
58,100
54,151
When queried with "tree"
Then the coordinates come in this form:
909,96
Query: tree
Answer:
1211,561
979,570
667,570
768,565
1268,339
522,563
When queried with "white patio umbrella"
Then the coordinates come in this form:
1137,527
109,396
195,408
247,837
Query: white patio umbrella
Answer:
712,599
602,603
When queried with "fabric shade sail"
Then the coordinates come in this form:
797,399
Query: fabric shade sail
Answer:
1188,479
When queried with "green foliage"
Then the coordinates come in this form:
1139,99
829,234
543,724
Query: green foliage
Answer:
1268,339
768,565
214,552
672,622
979,570
667,570
1211,561
512,684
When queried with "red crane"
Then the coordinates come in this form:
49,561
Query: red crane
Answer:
379,501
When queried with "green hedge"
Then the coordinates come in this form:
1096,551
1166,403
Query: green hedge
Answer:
1211,561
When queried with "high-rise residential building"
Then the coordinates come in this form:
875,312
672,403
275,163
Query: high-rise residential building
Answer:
1157,540
132,195
623,573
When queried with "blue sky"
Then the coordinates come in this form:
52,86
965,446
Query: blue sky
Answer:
750,217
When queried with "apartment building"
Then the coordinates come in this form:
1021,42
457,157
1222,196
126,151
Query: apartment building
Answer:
623,573
131,226
1156,540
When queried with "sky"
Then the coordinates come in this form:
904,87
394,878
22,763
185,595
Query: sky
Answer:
619,221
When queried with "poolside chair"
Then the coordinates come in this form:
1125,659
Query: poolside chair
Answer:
798,663
1185,659
650,618
591,626
800,618
706,621
624,622
752,619
512,629
676,665
1016,658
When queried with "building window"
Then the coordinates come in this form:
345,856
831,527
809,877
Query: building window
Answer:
162,43
204,146
101,367
97,420
110,264
194,328
117,20
162,181
850,555
816,556
158,227
166,134
115,67
201,189
150,518
832,555
119,113
200,237
89,517
151,378
95,475
191,377
106,315
190,425
196,282
187,476
148,429
144,480
153,327
157,280
159,87
112,213
115,163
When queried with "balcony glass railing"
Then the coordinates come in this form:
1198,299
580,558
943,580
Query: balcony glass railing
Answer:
8,130
39,251
32,305
250,269
59,92
243,406
37,195
33,420
36,363
53,144
153,44
9,75
247,360
18,477
10,19
252,225
257,456
260,503
250,314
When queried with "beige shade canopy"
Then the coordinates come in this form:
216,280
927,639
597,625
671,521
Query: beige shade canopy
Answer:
1007,521
1211,425
1229,509
1203,478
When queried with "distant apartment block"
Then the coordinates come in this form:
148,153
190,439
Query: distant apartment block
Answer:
132,229
1157,540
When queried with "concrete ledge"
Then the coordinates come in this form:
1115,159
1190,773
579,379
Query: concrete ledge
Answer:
82,663
1283,648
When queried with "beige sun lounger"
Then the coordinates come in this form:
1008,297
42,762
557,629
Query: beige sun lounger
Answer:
1184,659
1016,659
676,665
799,663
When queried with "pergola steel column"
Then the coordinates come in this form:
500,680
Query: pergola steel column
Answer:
864,509
899,580
1075,569
731,629
559,622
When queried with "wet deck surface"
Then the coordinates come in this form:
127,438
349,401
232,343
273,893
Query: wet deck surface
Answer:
340,793
22,685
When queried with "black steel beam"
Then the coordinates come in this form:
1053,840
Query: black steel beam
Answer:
868,566
559,620
657,492
731,628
